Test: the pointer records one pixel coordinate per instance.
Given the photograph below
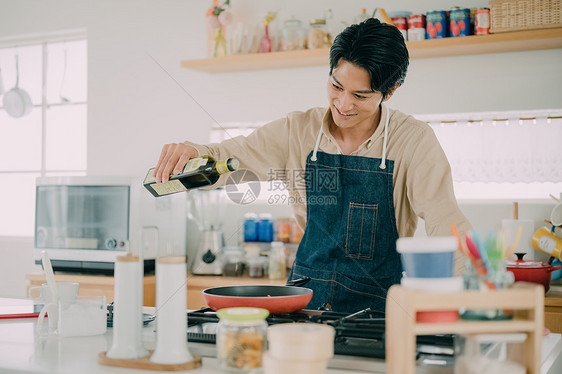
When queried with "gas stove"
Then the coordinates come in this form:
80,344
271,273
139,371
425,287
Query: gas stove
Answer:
359,341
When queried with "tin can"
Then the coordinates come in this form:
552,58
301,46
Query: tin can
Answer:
402,24
416,27
459,22
436,24
482,22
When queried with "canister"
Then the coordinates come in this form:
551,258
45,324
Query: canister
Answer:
416,27
482,21
265,228
436,24
250,227
459,22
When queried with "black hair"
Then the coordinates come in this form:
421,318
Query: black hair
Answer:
376,47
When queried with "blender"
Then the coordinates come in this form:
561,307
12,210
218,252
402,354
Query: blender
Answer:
207,207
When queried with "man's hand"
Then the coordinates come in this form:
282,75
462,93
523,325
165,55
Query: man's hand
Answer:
173,158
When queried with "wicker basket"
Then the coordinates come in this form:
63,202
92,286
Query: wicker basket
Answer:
516,15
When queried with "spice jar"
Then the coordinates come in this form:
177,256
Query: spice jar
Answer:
318,36
293,36
241,339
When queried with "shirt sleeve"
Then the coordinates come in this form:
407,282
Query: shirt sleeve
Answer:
263,152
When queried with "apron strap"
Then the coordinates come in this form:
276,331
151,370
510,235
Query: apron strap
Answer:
313,158
383,157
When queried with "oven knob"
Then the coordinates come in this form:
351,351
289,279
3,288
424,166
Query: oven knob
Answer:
111,243
208,257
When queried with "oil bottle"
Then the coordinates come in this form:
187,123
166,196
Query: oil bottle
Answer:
198,172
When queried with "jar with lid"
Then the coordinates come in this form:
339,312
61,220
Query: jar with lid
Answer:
241,339
293,36
318,36
233,262
256,266
250,227
277,261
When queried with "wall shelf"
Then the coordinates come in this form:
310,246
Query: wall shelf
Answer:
470,45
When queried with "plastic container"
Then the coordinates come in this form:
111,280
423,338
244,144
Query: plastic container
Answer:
277,261
301,341
439,285
241,339
427,257
265,228
250,227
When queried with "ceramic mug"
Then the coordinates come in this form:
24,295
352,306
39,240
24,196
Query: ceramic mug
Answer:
556,215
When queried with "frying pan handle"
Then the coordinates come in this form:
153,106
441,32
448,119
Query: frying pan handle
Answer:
298,282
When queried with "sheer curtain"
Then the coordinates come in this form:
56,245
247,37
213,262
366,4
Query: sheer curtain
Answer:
508,147
484,147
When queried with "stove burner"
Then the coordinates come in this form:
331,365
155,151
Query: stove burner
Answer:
358,334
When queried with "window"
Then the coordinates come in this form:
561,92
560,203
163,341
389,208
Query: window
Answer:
493,155
51,139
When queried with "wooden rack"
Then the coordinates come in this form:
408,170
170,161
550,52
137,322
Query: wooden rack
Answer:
469,45
526,299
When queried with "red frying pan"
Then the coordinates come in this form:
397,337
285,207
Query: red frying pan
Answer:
276,299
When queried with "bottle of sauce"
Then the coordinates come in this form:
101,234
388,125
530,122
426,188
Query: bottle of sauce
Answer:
198,172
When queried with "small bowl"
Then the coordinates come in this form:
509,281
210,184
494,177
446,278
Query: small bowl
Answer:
427,257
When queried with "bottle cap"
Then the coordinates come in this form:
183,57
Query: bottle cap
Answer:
232,164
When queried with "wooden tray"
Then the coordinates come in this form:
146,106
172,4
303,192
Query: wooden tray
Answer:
145,363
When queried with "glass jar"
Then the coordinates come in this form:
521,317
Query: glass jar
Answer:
256,267
277,261
241,339
233,262
293,36
318,36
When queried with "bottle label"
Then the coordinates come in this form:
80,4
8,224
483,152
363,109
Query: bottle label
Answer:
168,187
222,167
194,164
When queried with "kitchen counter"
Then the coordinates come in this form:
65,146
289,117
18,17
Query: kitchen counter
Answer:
23,351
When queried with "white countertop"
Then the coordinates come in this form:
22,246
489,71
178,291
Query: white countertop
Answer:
23,351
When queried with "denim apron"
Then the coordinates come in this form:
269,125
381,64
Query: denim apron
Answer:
349,245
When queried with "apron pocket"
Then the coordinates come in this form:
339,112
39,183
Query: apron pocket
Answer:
360,233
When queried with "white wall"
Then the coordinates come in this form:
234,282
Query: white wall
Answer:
135,104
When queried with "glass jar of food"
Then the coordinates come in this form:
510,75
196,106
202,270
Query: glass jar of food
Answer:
318,36
277,261
293,36
233,262
241,339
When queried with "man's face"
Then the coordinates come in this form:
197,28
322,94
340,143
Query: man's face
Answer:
351,99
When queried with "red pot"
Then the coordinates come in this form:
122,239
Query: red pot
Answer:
531,271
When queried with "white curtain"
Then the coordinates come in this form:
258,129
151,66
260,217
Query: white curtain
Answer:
514,150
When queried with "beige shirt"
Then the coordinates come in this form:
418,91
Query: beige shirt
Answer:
422,176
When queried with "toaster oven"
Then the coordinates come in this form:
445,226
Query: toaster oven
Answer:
84,223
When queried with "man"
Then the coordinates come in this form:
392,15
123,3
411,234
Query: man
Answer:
359,174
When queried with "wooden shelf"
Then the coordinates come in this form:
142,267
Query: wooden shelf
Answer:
471,327
402,306
469,45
